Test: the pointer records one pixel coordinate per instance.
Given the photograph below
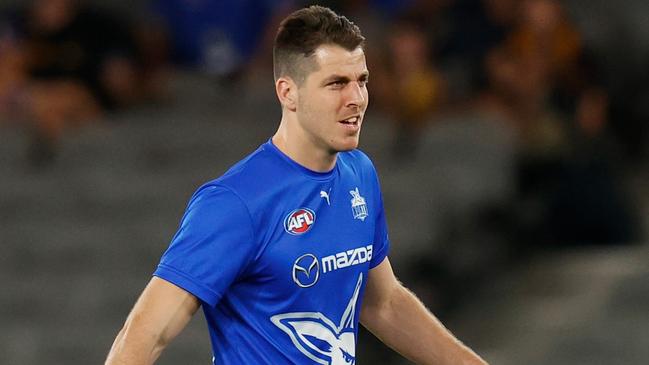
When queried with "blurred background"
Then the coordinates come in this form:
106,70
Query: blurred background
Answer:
510,137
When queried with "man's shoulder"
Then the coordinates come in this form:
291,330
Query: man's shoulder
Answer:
254,173
249,167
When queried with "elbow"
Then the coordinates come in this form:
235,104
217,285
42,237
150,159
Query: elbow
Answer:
381,310
372,313
139,330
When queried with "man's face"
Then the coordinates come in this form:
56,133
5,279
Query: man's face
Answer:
332,99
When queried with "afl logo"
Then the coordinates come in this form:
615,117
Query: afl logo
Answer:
306,271
299,221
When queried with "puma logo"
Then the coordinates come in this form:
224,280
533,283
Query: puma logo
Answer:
325,195
318,338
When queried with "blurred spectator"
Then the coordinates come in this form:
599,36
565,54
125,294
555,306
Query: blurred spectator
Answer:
220,38
68,64
591,205
472,28
518,89
546,40
570,189
411,87
630,105
12,75
513,94
591,113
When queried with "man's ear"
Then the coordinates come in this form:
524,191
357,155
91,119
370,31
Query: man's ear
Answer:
286,90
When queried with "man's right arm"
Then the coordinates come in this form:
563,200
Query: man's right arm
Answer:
159,315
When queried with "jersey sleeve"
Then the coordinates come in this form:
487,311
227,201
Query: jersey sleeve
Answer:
212,246
381,240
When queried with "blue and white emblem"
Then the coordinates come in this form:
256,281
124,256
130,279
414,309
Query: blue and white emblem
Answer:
359,208
319,338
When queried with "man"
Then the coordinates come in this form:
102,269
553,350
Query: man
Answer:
287,250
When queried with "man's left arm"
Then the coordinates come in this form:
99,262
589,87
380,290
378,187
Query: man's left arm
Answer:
395,315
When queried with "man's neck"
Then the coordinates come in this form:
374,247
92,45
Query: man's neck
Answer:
303,152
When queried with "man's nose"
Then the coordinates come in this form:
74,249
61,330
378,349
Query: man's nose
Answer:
355,95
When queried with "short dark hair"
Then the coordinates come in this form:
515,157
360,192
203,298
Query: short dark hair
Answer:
303,31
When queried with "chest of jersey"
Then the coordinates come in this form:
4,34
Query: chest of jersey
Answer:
317,242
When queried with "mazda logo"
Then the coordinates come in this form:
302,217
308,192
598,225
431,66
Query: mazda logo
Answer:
306,270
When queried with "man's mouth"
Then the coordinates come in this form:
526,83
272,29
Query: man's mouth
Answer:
352,121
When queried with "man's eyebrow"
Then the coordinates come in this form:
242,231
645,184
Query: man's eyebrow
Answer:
340,78
336,78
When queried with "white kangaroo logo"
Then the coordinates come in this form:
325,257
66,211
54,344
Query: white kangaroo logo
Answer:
318,338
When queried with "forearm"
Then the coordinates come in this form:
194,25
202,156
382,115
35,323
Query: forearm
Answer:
133,347
404,324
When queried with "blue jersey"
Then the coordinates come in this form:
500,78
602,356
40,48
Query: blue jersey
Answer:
279,256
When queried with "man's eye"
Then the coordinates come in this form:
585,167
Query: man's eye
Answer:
362,83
